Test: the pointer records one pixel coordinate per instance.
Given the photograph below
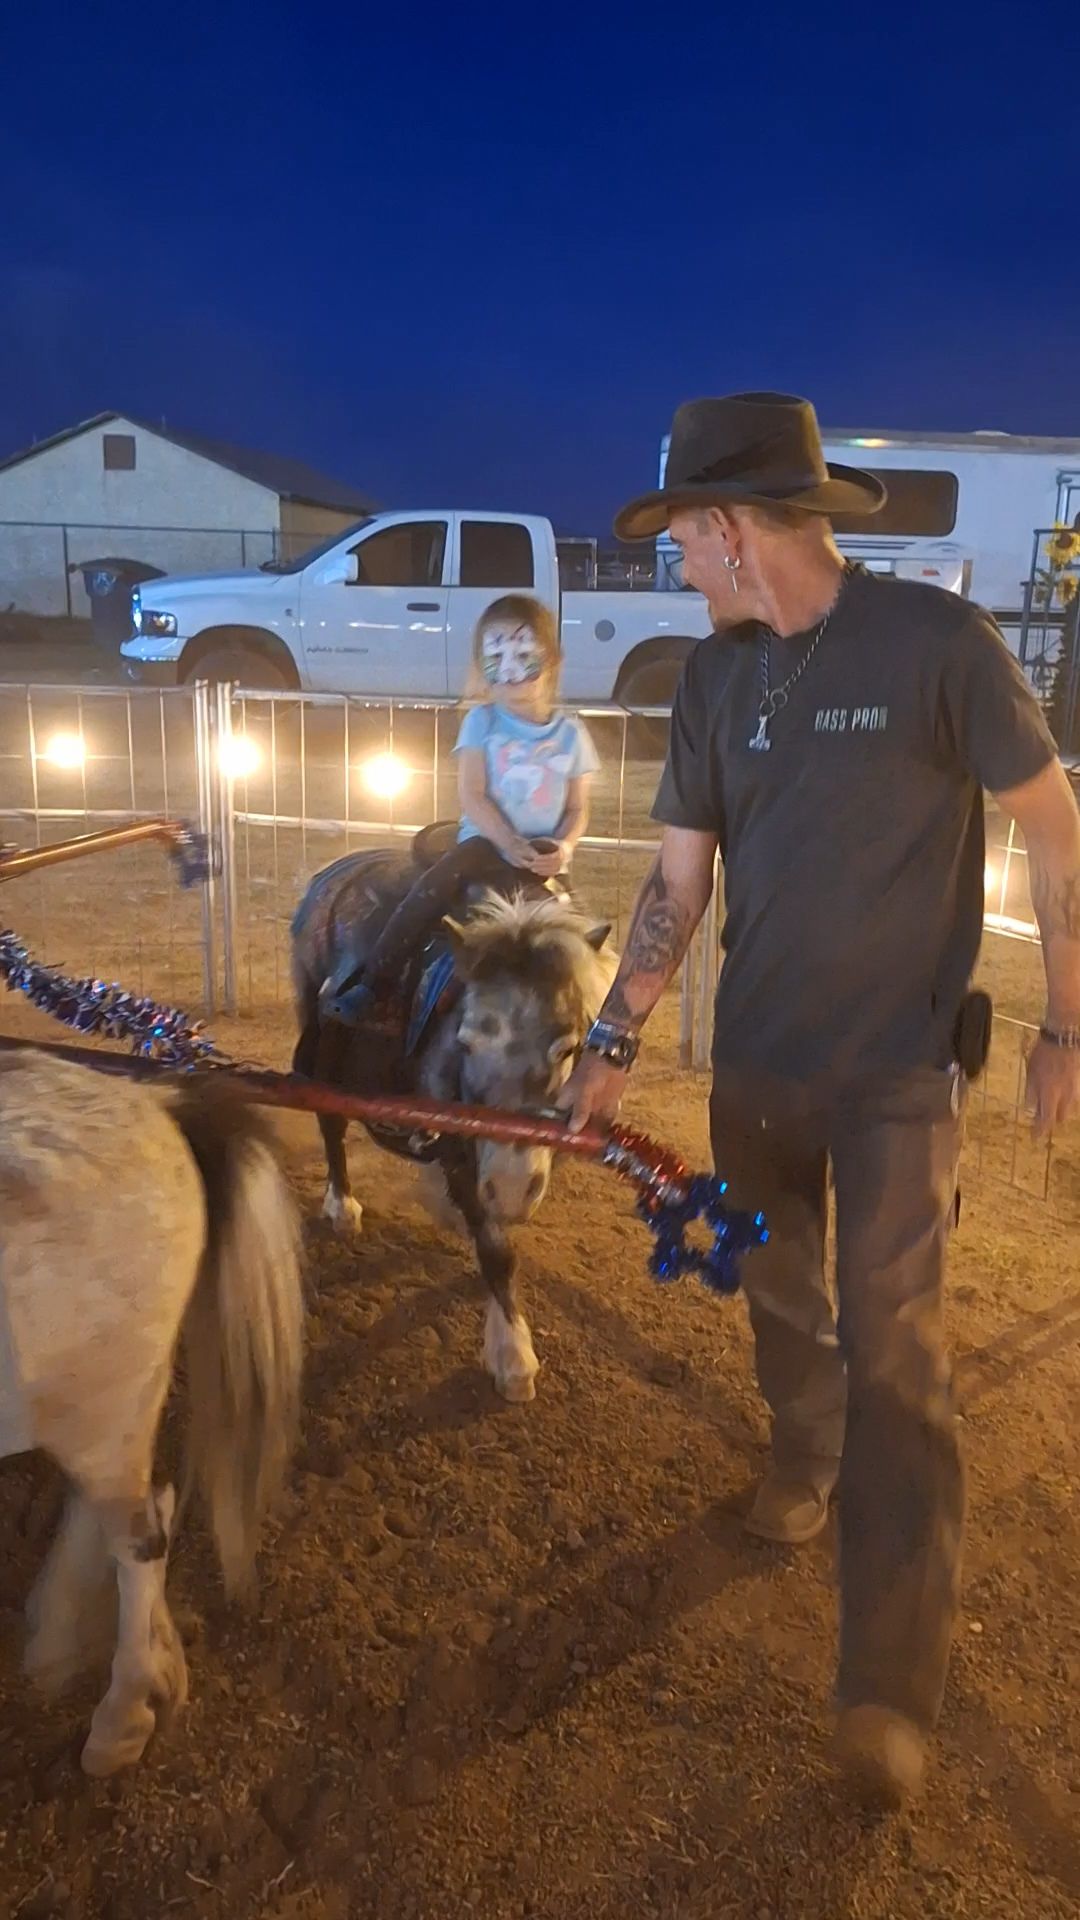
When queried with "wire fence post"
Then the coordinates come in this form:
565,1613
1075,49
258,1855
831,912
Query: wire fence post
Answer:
205,799
225,769
706,982
686,1010
697,987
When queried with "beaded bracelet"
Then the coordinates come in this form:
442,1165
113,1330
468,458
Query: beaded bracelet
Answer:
613,1044
1066,1037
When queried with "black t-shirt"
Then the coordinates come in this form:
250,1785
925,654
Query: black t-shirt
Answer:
854,848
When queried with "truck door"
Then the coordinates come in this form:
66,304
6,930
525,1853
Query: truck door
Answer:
491,556
383,628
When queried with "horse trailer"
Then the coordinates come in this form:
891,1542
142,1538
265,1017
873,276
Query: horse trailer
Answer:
962,510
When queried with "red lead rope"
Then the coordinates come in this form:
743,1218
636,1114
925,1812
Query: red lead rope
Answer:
651,1167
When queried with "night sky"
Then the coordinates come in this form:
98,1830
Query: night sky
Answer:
475,255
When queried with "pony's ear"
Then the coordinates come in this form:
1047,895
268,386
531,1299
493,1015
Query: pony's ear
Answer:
596,936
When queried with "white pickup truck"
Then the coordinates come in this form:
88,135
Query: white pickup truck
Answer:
390,606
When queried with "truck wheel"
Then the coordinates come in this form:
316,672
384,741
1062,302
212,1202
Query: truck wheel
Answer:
244,665
651,685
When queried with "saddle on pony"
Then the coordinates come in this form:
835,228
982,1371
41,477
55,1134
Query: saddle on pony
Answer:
430,981
338,924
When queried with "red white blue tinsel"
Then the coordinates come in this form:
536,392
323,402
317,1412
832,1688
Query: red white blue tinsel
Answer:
669,1205
107,1011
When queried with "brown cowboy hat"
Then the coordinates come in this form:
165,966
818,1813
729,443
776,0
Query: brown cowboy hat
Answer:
748,449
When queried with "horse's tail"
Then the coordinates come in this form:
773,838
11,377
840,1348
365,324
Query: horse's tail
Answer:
243,1334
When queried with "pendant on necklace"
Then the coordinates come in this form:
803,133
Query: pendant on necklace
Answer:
761,742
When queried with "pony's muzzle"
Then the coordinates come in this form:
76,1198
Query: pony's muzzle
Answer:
512,1181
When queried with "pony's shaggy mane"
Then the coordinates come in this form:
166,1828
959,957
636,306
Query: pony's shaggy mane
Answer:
510,936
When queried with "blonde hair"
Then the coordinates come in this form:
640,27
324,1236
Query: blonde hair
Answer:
518,610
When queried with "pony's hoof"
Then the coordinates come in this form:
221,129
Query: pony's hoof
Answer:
517,1388
509,1355
102,1757
344,1213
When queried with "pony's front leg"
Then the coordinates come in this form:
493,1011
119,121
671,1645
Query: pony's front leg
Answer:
509,1355
149,1674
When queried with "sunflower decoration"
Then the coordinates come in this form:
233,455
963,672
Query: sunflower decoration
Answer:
1063,546
1068,588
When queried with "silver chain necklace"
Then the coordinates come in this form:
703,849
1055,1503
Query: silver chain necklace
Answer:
774,699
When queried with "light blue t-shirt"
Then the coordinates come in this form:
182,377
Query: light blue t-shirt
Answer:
529,766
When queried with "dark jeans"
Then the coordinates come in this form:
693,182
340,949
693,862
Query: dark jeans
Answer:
862,1397
468,863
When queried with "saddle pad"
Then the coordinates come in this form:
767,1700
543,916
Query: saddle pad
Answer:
434,985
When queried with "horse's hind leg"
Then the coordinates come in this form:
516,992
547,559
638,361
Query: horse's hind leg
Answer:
306,1050
339,1203
71,1612
149,1674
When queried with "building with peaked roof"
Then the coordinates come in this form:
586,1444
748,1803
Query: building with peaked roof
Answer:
118,487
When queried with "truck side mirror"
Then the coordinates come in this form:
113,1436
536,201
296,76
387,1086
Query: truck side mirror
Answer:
342,570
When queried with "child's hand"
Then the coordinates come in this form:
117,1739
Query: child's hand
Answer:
547,866
520,852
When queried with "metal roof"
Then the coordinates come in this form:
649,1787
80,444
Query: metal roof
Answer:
289,479
868,438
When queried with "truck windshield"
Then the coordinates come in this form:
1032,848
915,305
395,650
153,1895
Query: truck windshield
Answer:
315,553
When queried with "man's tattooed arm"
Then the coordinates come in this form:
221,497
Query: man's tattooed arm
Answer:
672,900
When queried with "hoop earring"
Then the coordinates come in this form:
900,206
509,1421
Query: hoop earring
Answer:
732,562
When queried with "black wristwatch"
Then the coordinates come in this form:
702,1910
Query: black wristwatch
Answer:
613,1044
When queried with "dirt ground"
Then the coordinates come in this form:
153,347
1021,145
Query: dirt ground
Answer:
523,1661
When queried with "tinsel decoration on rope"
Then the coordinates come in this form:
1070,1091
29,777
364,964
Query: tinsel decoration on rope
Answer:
670,1198
733,1234
94,1007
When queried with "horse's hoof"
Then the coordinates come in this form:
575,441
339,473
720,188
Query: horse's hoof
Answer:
509,1355
102,1756
101,1761
344,1213
517,1388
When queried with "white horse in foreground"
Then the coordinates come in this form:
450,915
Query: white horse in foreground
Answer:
127,1215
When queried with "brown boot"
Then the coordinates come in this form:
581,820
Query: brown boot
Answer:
791,1512
883,1752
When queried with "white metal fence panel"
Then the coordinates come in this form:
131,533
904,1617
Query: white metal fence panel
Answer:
285,783
74,759
314,776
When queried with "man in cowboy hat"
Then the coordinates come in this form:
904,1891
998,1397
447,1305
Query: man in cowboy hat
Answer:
833,739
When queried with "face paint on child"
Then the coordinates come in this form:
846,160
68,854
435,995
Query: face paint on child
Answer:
510,657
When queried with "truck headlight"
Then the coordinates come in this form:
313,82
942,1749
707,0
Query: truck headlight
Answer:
156,626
